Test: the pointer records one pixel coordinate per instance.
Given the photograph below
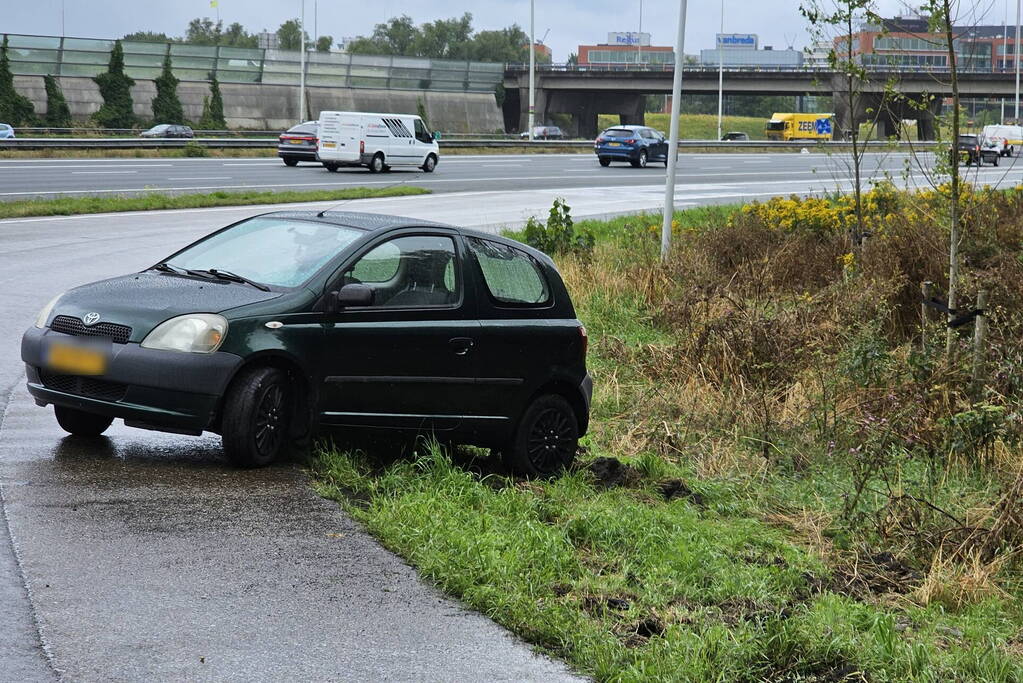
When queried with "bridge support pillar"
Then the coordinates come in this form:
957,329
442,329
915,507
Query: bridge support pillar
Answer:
540,117
633,112
927,121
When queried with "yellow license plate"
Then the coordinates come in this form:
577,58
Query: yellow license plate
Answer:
296,142
329,144
76,360
614,144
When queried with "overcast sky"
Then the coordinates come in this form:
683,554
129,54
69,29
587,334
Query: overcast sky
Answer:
571,22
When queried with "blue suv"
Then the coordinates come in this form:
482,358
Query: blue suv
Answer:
638,145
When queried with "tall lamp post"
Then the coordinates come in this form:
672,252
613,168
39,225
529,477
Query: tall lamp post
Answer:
301,67
676,97
532,71
721,69
1015,60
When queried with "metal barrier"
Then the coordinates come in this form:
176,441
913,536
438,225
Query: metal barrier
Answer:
269,143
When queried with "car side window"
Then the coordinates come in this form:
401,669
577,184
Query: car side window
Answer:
422,134
410,272
512,276
647,134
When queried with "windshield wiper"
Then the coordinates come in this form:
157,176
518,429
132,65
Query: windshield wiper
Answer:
165,267
234,277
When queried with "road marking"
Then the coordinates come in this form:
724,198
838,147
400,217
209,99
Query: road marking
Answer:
211,177
15,168
103,172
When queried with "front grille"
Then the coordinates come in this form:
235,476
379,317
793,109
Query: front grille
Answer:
89,387
67,324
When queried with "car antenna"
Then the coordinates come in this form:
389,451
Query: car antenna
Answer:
331,208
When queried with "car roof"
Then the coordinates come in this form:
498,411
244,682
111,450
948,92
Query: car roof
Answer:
628,126
375,222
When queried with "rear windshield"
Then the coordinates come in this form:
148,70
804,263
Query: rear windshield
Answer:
968,138
304,128
275,251
619,133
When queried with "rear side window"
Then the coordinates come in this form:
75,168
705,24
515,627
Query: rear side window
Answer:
619,133
512,276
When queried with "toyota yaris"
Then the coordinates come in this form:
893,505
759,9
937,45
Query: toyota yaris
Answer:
276,326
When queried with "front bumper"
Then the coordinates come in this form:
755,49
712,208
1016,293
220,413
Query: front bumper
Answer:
163,389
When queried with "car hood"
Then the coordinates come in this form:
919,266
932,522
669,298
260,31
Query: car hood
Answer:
144,300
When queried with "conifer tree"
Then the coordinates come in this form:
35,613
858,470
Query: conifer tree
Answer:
115,87
58,114
166,105
15,109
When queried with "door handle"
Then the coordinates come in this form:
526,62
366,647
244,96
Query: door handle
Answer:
461,345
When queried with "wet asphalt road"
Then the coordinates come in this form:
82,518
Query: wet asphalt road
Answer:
26,178
143,556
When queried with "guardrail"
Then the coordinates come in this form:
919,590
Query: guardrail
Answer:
496,143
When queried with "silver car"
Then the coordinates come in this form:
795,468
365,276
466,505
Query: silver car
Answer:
6,132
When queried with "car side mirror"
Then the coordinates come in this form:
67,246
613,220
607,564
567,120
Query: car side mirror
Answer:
353,295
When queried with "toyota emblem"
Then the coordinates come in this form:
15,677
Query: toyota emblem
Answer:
91,318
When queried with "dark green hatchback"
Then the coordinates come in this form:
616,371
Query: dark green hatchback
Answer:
289,322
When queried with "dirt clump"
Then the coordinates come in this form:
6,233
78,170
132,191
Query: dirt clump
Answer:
612,473
676,488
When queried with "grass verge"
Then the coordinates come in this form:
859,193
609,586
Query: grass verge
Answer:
766,488
68,206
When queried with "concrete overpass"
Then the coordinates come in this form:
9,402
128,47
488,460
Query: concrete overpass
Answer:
586,92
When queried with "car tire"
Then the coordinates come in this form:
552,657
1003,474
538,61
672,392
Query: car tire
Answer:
376,164
604,161
256,421
290,162
641,160
430,164
331,167
80,423
994,159
545,440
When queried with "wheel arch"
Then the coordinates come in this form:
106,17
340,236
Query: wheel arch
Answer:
570,393
305,397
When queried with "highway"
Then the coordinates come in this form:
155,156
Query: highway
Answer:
756,175
144,556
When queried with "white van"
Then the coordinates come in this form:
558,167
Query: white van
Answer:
1006,138
377,141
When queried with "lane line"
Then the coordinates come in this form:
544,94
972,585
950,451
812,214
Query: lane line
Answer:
212,177
103,172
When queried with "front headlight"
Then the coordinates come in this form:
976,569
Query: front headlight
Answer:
45,313
193,333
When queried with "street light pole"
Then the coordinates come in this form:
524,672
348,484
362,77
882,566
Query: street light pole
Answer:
532,71
721,69
639,38
676,97
301,61
1015,60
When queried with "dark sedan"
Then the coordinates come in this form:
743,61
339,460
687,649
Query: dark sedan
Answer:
638,145
168,130
298,143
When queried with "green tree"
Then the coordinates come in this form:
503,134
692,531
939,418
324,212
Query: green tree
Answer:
445,39
166,105
396,37
324,43
15,109
237,36
505,45
58,114
115,87
150,37
213,108
204,31
289,35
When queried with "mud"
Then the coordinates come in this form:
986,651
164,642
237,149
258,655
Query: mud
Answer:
612,473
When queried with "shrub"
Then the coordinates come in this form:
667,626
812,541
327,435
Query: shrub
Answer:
115,87
15,109
213,108
194,149
559,235
166,105
58,114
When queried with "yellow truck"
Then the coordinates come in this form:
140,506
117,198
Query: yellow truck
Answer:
800,127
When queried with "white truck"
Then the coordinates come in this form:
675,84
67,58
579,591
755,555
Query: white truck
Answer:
376,141
1006,139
